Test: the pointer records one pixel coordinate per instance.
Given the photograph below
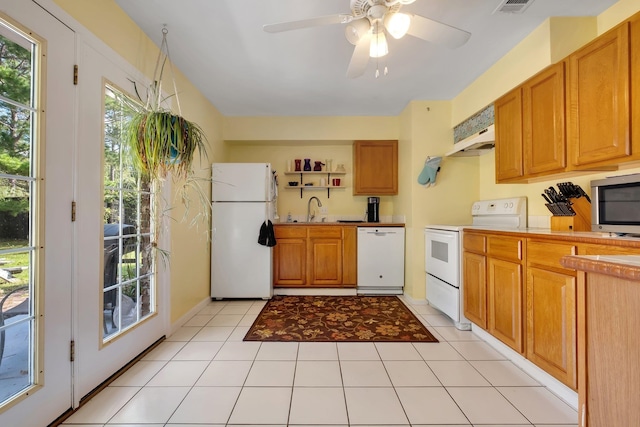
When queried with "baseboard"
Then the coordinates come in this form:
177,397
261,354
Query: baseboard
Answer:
413,301
554,386
187,316
314,291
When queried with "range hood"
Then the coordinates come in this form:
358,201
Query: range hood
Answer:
479,143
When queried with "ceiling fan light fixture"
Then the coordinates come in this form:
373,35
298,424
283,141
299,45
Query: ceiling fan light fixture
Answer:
397,24
356,29
378,47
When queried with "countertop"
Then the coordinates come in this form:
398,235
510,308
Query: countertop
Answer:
625,267
334,223
576,236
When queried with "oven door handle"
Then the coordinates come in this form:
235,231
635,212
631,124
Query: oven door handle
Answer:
448,235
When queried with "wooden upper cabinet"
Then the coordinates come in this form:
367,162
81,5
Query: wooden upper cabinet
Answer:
599,104
543,111
509,159
635,87
375,167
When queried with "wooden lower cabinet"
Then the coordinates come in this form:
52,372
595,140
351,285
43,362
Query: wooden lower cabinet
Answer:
325,256
475,288
609,350
516,287
551,323
504,302
320,256
290,256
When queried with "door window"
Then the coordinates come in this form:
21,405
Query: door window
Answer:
18,209
128,280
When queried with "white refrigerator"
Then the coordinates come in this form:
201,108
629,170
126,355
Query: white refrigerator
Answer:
243,199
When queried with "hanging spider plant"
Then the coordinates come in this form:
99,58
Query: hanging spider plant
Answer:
160,141
163,144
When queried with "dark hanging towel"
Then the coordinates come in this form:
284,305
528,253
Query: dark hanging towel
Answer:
267,236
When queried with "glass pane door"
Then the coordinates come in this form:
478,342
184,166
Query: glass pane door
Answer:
18,209
128,262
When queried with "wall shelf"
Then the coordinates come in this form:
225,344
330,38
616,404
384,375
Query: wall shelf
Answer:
303,187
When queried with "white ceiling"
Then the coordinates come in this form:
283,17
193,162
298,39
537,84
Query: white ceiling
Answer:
221,47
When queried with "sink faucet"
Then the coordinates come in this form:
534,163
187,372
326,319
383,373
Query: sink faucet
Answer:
309,216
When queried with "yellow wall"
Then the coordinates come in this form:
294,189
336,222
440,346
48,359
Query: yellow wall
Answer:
425,131
189,247
616,14
309,128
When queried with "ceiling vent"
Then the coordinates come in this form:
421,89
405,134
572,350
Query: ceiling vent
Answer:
513,6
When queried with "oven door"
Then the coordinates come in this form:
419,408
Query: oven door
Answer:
442,255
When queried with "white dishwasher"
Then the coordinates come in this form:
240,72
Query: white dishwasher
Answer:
380,260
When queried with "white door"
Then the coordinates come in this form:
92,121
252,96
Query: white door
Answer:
43,351
121,309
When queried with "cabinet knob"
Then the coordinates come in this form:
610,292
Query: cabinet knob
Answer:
381,276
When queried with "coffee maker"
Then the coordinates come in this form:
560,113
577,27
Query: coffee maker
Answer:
373,209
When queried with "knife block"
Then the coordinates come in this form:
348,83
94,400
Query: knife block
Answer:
581,221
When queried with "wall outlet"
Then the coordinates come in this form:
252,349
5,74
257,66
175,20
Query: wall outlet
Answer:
324,210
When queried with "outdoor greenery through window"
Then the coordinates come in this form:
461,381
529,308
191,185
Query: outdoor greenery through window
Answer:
128,285
18,209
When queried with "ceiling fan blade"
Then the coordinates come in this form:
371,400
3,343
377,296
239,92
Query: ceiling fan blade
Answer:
306,23
360,57
437,32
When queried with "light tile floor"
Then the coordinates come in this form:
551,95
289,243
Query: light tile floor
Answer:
205,375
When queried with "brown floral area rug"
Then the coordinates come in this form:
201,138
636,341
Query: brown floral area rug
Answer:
337,318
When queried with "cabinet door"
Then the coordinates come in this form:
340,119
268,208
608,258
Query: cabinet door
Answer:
505,302
325,256
375,167
608,350
543,105
509,155
290,256
599,100
349,256
635,88
475,288
551,323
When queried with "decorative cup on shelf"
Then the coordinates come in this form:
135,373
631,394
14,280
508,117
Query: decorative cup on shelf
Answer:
289,165
336,182
340,168
307,165
298,165
323,182
328,165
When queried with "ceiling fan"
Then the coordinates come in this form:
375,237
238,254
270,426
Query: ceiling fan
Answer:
370,21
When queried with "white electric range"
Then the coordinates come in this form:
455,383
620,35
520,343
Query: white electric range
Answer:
443,253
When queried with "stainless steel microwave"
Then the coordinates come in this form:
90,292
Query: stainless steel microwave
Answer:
615,204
